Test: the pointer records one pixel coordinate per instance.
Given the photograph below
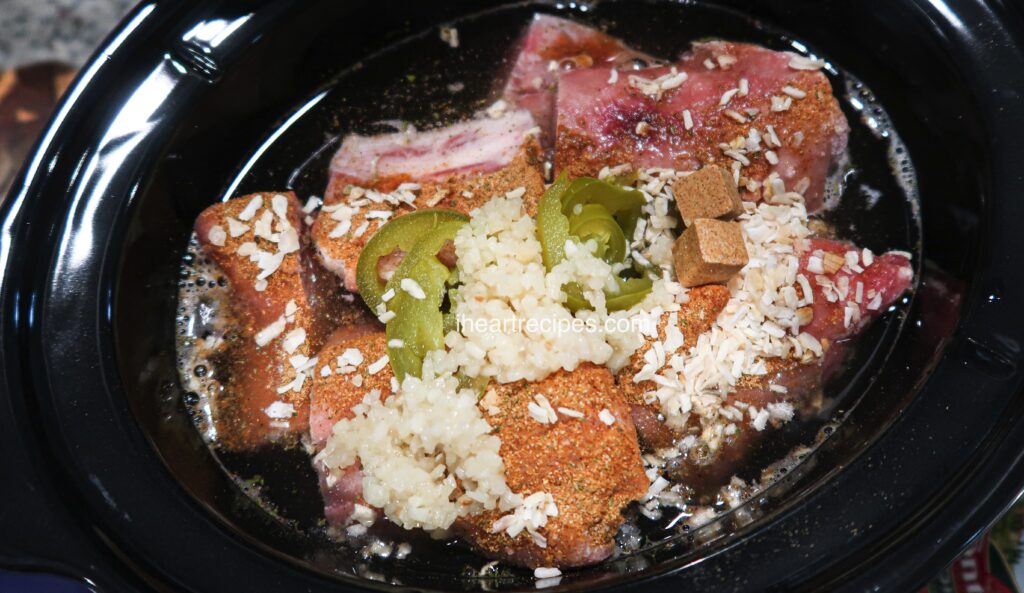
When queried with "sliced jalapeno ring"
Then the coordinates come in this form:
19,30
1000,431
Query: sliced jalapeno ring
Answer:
588,208
394,240
622,203
552,224
595,222
632,291
420,284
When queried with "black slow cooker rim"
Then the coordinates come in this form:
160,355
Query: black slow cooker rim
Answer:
32,225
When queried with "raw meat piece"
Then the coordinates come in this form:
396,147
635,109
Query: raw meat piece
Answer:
641,119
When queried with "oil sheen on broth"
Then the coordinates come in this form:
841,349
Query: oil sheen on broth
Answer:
431,91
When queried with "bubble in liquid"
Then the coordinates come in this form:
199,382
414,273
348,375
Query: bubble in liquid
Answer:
876,118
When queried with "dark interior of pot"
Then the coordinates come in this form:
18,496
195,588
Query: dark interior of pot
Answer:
270,118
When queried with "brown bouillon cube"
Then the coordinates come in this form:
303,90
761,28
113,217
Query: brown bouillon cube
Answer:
707,193
709,252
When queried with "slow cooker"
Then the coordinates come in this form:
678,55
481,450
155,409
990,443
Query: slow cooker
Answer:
106,480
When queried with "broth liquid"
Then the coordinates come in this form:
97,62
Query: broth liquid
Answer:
423,81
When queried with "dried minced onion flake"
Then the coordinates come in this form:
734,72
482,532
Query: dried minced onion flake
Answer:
781,103
546,572
216,235
341,229
312,203
815,264
288,241
279,410
497,109
735,116
450,35
805,63
656,87
294,339
738,156
530,515
279,204
264,226
236,228
725,61
412,288
251,209
657,487
540,410
569,412
361,229
268,263
760,420
794,92
851,314
267,334
351,356
378,365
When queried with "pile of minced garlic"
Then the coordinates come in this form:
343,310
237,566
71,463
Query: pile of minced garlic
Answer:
506,285
428,454
418,448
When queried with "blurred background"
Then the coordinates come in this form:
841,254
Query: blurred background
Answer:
42,45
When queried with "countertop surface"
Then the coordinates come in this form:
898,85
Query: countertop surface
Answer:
63,31
42,42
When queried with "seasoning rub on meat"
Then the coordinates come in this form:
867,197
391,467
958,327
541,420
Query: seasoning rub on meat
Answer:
591,300
754,112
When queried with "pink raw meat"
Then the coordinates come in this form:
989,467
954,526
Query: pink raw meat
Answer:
554,45
255,371
473,146
882,282
459,167
602,123
341,495
332,398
